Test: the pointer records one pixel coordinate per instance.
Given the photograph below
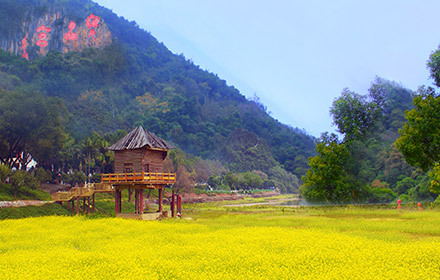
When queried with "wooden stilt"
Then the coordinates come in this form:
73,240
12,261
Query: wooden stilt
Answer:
117,201
173,205
93,202
130,194
88,204
77,205
160,199
120,201
136,201
84,205
179,205
141,201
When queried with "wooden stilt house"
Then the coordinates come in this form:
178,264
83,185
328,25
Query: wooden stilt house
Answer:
139,160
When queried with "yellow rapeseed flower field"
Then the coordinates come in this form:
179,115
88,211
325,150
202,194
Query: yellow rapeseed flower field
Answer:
337,244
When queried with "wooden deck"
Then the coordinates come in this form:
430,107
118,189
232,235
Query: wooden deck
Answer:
141,178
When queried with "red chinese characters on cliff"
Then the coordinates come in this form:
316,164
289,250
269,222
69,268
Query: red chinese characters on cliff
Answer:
42,36
92,23
24,45
70,35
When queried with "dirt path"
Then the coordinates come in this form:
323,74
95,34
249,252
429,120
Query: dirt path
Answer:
22,203
272,202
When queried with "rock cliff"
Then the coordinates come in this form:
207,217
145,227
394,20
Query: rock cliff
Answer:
55,31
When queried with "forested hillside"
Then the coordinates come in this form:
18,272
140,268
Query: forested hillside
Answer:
132,80
366,165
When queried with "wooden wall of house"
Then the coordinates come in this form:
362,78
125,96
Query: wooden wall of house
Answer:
129,156
154,160
140,160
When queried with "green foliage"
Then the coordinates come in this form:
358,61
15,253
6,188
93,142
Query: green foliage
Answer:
326,180
215,182
381,195
5,172
30,124
22,185
42,175
373,169
74,178
243,181
21,181
435,175
404,185
434,66
419,139
353,114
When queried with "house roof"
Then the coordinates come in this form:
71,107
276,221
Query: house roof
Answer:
140,138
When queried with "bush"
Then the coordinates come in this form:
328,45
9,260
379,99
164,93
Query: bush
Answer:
21,182
381,195
74,178
42,175
22,186
5,172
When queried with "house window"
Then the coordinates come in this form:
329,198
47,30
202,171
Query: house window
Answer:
146,168
128,167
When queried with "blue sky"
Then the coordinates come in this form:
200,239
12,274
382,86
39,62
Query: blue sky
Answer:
297,56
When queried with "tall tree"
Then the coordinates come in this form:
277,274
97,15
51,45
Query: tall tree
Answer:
419,139
353,114
326,180
31,127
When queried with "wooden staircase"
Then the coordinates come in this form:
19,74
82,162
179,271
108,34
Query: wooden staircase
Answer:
88,190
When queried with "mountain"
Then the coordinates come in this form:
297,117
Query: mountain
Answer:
111,75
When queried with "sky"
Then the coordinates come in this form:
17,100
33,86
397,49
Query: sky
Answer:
296,56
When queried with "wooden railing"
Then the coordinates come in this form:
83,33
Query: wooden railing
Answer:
140,177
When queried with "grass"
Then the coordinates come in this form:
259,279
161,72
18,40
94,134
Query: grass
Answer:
218,242
6,194
33,211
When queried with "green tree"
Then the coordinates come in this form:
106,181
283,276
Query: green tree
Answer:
419,139
215,181
327,180
353,114
232,181
31,126
252,180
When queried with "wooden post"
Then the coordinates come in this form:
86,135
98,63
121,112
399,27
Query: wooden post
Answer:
136,201
93,202
130,194
77,205
68,205
88,204
179,205
117,201
160,199
84,205
173,204
73,206
141,201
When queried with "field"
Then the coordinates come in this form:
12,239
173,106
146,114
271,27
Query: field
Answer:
217,242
